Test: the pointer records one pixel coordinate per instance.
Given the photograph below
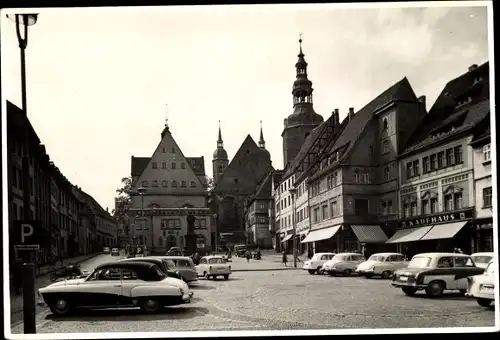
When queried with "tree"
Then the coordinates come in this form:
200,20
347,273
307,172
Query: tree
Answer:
123,201
210,183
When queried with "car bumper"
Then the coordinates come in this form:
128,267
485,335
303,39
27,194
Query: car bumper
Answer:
186,298
407,284
365,271
480,295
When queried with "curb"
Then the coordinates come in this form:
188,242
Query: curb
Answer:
264,269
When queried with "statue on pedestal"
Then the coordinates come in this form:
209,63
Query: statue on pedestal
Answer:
190,238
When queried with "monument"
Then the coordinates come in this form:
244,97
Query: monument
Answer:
190,240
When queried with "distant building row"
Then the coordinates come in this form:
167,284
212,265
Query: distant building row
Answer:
73,223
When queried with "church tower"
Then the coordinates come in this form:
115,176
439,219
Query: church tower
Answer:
303,119
220,160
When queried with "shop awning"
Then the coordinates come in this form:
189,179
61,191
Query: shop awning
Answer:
369,233
303,232
286,238
409,235
322,234
442,231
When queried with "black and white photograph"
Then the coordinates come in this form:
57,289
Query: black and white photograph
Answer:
249,170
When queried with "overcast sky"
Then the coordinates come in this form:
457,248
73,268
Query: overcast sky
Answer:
99,79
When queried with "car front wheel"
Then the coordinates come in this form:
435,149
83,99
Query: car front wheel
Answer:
310,271
150,305
484,302
60,307
434,289
386,275
410,291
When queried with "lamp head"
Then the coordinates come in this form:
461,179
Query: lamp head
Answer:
24,19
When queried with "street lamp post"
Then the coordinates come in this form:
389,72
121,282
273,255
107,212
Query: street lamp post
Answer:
293,191
142,191
29,300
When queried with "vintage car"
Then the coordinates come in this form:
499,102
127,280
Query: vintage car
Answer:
435,273
184,265
482,259
382,264
240,250
114,285
313,266
167,266
106,250
115,252
212,267
482,287
343,263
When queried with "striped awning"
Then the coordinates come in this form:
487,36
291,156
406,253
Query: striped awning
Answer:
322,234
369,233
409,235
444,231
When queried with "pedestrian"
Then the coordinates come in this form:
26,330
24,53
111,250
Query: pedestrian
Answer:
285,260
248,256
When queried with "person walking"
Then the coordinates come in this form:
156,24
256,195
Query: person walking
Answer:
285,260
248,256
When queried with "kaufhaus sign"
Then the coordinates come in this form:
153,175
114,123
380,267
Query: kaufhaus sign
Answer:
436,219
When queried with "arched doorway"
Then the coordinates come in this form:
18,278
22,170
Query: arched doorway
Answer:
171,241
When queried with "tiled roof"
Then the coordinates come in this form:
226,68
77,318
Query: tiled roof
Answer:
138,165
400,91
483,131
95,206
197,164
263,188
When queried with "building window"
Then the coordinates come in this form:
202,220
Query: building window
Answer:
416,167
200,241
448,202
441,160
385,124
316,214
192,184
433,161
164,184
324,212
173,166
154,165
163,165
458,155
174,184
457,198
385,207
406,210
434,205
361,206
385,147
409,170
144,183
173,150
262,219
365,178
164,150
356,176
183,165
183,184
155,183
487,197
449,157
335,178
387,174
333,209
487,153
426,209
413,207
425,165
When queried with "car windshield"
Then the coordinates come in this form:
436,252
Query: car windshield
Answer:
378,258
484,259
216,260
490,269
419,262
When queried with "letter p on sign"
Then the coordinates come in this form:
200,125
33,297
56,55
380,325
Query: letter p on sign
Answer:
26,231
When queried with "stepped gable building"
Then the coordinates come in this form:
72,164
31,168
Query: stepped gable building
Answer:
237,181
353,183
166,187
437,170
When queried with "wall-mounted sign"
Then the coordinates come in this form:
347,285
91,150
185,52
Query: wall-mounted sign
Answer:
171,212
437,219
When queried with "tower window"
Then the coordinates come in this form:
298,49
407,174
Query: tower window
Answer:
183,165
154,165
164,184
385,124
219,169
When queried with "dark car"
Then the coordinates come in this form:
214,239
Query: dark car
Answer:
167,266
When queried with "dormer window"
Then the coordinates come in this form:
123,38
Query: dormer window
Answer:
174,184
477,79
144,183
155,183
464,101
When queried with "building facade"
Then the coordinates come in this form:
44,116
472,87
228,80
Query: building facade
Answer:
353,184
437,170
166,187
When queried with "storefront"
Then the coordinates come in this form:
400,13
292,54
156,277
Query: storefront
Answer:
364,239
483,238
323,240
435,233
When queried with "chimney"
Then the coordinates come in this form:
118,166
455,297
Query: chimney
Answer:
421,99
472,67
336,116
351,113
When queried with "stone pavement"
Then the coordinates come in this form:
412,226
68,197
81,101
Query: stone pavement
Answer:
42,279
267,263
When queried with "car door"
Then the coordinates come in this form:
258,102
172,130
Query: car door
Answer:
129,280
445,271
390,262
102,288
400,262
201,267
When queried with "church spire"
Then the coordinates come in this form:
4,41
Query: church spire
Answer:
262,143
166,128
220,143
302,87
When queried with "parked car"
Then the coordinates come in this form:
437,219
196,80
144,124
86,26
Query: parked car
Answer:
106,250
313,266
240,250
184,265
482,259
212,267
482,287
115,252
435,273
167,266
343,263
382,264
119,284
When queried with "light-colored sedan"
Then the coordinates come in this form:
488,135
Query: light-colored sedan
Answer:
212,267
343,263
482,287
313,266
482,259
382,264
184,265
